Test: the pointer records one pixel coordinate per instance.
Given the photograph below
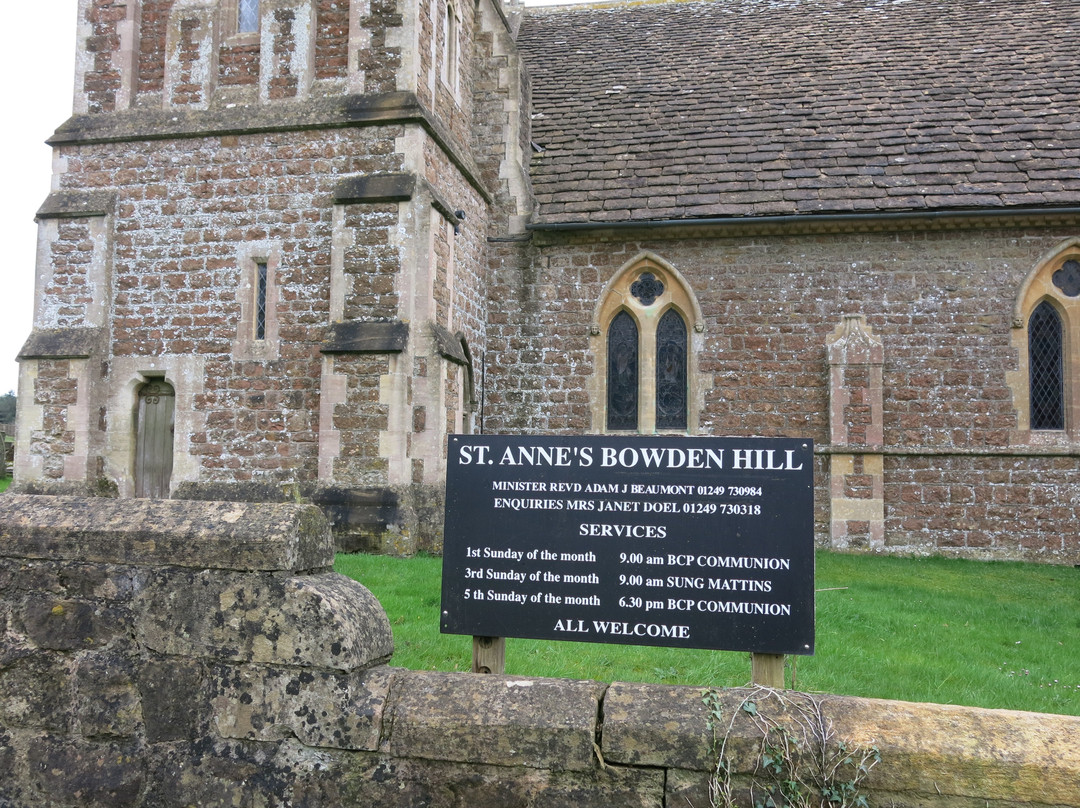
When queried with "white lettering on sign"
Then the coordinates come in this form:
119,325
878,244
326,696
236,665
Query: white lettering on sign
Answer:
653,630
631,457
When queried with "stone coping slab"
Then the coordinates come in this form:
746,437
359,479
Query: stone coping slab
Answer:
179,533
501,720
965,753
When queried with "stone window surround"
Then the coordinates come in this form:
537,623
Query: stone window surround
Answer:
450,71
617,297
1037,287
249,256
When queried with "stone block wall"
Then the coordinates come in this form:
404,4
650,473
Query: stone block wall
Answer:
163,264
190,219
168,654
325,159
126,58
938,404
149,53
134,633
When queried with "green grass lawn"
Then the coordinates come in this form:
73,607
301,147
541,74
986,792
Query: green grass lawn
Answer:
986,634
4,483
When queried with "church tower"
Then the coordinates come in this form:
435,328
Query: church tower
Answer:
262,266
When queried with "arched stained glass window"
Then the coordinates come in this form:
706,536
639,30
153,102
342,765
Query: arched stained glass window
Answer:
671,371
622,364
1046,368
642,337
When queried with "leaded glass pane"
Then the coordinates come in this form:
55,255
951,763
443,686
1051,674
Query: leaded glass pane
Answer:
1046,368
248,16
671,372
260,302
622,397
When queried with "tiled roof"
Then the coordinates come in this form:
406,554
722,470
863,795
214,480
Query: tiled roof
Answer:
731,108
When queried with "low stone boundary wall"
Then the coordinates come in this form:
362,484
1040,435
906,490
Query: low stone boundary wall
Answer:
178,653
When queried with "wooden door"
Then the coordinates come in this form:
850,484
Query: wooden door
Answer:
154,440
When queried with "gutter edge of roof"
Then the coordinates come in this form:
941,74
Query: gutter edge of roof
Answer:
815,220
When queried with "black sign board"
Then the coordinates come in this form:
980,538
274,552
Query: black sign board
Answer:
670,541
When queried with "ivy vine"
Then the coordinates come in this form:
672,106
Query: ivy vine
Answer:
799,761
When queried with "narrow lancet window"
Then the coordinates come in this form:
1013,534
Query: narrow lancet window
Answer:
622,388
247,16
260,300
671,372
450,49
1046,366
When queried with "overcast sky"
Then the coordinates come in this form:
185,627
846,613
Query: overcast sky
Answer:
39,65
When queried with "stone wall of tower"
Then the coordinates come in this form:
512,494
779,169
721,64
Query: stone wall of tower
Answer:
329,151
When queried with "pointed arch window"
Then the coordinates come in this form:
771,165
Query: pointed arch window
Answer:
647,371
1045,333
641,332
1046,368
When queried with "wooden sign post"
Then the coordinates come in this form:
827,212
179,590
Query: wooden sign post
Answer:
489,655
767,670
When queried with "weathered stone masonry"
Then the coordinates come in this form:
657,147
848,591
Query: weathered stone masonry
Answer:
168,653
434,227
321,157
917,434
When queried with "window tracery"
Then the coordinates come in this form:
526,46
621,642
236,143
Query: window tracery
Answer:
642,334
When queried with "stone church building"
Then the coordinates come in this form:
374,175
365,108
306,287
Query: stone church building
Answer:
292,245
